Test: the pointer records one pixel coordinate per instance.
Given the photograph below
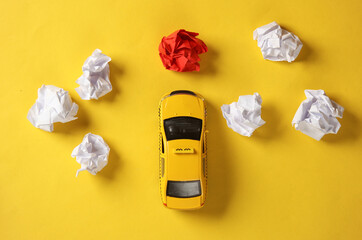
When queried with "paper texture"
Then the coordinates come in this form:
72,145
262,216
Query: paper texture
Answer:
244,116
94,83
53,105
317,115
91,154
277,44
180,51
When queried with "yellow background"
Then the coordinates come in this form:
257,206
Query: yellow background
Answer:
278,184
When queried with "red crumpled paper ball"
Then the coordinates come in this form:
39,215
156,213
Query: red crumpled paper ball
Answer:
180,51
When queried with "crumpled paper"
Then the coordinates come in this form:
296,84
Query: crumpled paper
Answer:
179,51
317,115
91,154
94,83
53,105
277,44
244,116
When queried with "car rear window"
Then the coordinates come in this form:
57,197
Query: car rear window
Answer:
183,128
183,189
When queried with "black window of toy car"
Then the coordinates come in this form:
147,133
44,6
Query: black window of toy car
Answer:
203,146
183,128
183,189
163,146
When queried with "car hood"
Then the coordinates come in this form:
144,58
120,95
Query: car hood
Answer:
183,105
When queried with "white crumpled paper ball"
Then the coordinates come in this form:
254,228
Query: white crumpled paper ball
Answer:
244,116
53,105
94,83
277,44
317,115
92,154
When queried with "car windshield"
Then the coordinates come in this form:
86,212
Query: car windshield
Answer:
183,189
183,128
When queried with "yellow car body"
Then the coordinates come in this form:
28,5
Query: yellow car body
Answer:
183,152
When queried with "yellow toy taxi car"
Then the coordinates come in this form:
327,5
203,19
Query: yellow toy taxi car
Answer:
183,158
